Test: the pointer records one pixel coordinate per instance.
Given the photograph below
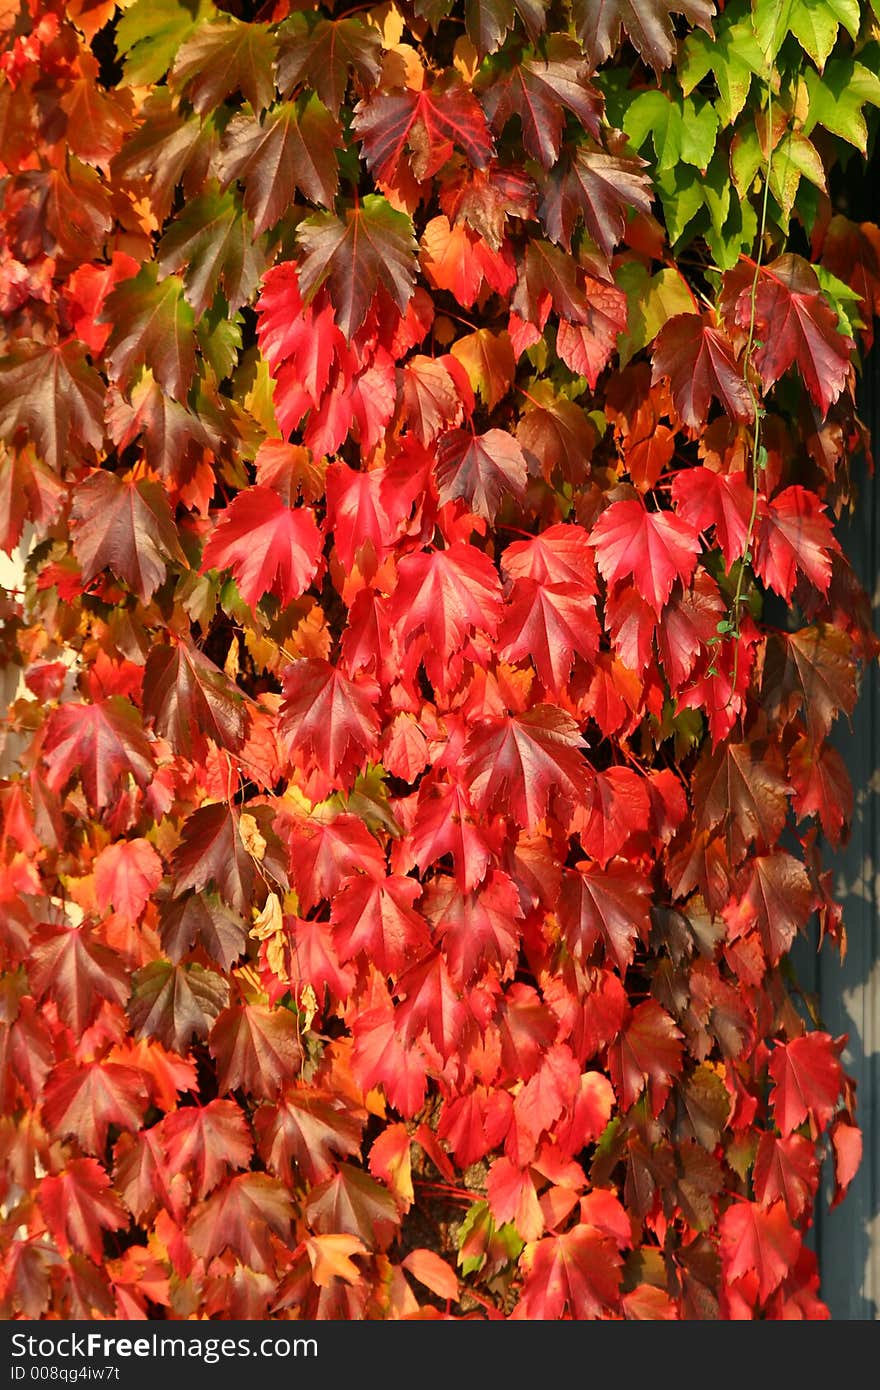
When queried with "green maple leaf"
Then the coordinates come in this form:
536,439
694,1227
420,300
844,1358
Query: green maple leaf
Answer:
842,298
679,131
814,23
152,325
681,193
651,300
212,242
733,222
734,58
151,32
837,97
793,158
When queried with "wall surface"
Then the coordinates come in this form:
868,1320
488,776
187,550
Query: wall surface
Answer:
848,1237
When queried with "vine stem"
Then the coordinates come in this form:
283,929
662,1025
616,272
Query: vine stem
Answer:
745,558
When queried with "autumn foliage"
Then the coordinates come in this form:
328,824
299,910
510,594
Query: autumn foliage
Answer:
423,428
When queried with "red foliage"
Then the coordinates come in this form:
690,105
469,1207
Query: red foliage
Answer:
415,799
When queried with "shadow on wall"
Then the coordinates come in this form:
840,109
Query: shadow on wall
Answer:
847,1238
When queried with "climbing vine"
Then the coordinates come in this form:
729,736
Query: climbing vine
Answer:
423,430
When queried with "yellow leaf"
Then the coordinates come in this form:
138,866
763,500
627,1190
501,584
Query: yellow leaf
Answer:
465,59
249,833
330,1258
269,921
389,21
308,1002
402,67
230,665
275,956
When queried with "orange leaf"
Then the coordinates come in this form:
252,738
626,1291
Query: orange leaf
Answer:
331,1258
433,1272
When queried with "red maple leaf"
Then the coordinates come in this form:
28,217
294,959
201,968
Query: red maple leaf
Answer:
269,547
648,1053
77,1205
328,717
99,743
652,548
547,1095
426,124
577,1273
513,764
372,247
446,594
381,1057
588,1114
720,501
560,554
142,1177
323,853
797,327
474,1123
356,512
807,1079
786,1169
475,929
189,699
512,1197
586,347
29,491
698,361
243,1216
456,258
846,1143
309,1129
540,92
550,624
822,786
354,1203
205,1142
78,970
794,533
480,469
84,1099
175,1002
610,905
432,1004
620,809
212,850
432,395
126,874
446,822
378,917
760,1242
256,1048
311,959
777,899
125,526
